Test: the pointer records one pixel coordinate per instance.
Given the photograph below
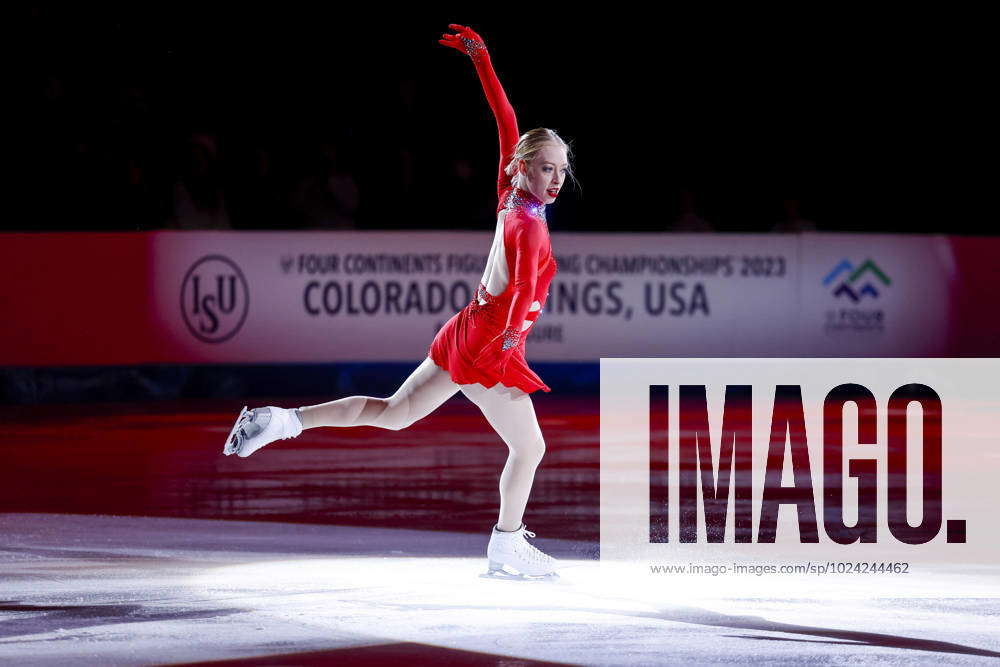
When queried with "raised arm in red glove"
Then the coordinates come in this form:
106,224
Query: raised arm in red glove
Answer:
528,232
470,43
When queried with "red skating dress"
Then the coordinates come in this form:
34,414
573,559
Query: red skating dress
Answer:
484,342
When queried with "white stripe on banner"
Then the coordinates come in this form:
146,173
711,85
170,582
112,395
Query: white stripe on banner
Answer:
301,297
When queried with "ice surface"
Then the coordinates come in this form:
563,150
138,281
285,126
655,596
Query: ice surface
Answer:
134,590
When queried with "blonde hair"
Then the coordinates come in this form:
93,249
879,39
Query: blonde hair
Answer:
528,147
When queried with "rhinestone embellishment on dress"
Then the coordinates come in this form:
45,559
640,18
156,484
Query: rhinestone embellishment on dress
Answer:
484,295
475,306
515,201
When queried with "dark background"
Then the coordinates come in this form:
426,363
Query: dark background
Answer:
281,118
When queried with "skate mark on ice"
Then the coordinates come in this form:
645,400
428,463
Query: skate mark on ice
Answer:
695,616
790,639
859,638
60,552
74,617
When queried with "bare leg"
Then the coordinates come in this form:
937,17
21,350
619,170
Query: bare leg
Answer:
427,387
511,413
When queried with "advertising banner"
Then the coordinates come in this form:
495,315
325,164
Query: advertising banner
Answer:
276,297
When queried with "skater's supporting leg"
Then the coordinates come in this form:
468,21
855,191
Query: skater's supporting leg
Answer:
427,387
512,415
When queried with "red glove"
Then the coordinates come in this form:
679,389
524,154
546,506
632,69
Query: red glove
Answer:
469,42
465,40
496,353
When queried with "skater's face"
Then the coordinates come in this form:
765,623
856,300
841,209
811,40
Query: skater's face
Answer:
545,175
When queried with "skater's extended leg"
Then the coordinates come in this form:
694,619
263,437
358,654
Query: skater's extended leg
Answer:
427,387
420,394
512,415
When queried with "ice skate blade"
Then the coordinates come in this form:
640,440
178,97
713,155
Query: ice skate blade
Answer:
229,448
502,574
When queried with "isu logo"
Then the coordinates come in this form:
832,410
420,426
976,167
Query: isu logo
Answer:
215,299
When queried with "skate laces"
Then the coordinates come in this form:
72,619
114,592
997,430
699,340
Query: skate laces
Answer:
532,551
240,434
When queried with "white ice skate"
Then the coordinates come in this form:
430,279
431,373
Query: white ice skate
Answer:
258,427
513,550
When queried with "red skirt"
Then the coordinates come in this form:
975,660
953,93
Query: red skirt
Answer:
465,335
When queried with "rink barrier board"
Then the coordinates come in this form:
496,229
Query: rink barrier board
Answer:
195,298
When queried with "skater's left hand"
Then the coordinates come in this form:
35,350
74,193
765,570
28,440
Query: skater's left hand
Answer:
493,357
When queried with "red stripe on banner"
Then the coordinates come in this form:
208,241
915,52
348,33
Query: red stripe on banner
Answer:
976,299
75,298
115,298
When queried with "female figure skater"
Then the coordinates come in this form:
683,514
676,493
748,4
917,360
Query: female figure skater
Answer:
480,350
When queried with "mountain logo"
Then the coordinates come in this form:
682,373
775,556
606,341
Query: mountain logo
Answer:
857,283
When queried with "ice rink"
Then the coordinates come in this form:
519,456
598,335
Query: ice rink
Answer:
133,590
127,538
